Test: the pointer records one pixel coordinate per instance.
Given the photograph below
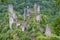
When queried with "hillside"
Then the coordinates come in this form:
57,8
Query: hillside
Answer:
35,30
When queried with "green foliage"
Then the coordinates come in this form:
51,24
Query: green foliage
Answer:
57,3
56,26
17,34
49,13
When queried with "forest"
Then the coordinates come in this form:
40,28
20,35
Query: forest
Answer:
29,19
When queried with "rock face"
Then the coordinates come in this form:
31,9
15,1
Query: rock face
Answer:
41,30
48,30
25,13
38,18
35,7
12,16
24,26
10,8
38,10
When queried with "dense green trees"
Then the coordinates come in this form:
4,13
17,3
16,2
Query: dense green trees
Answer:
49,14
56,26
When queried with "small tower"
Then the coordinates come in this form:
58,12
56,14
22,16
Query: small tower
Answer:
28,9
28,12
